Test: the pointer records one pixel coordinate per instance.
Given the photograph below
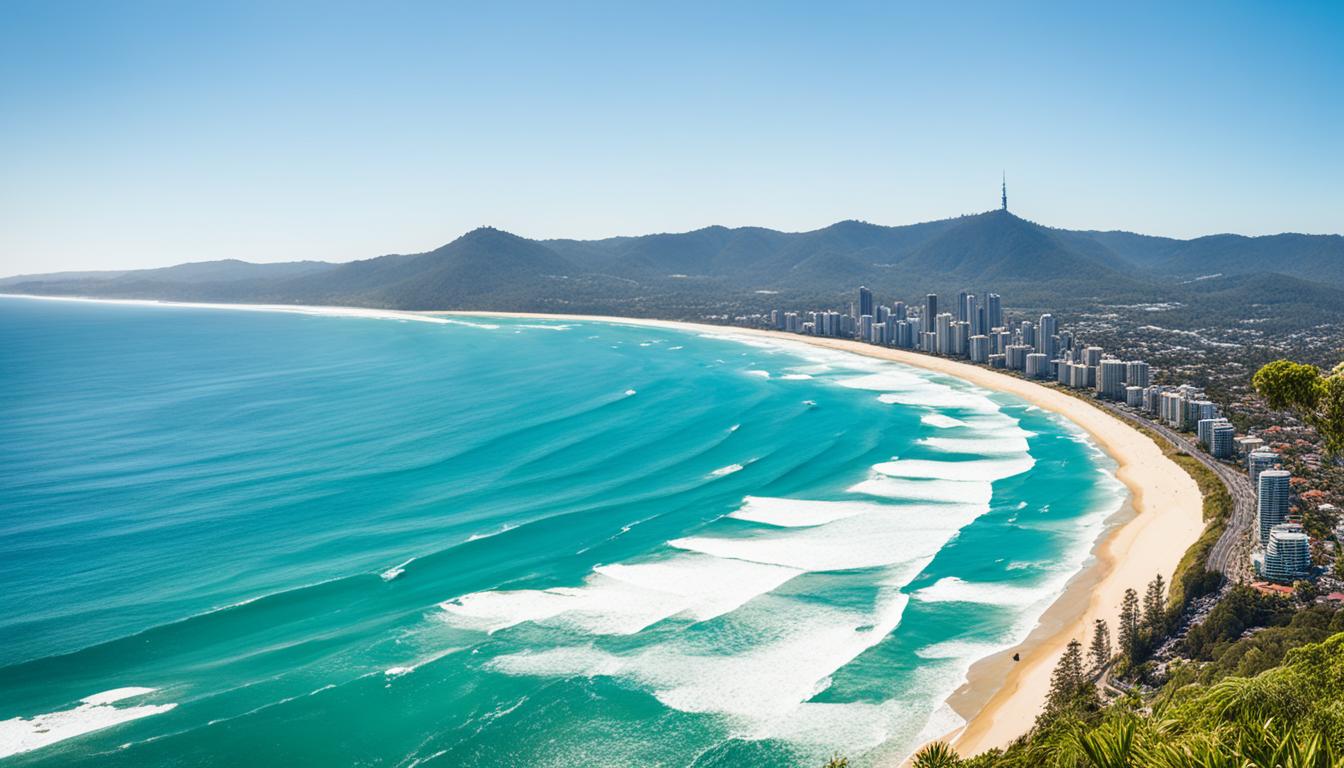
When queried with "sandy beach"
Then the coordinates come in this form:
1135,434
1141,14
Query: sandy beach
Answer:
1001,698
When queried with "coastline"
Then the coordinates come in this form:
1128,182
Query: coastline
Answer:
999,699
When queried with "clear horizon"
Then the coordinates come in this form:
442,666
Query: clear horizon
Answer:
151,134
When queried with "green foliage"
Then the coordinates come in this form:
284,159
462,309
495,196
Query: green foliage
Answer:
1267,648
1129,626
937,755
1100,651
1286,385
1154,614
1071,690
1316,397
1289,716
1241,609
837,761
1108,746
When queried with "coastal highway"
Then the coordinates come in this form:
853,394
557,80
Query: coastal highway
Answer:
1231,553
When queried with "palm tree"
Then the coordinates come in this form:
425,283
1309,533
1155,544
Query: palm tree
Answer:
937,755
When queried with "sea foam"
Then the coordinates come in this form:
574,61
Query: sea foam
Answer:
93,713
976,469
788,513
622,599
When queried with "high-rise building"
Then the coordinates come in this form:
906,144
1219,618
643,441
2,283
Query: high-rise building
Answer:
930,310
865,302
961,333
1259,461
961,307
1204,431
1017,356
1136,373
1272,502
1080,375
1037,365
1287,554
979,348
866,327
1221,442
943,329
972,305
1028,333
1111,379
898,309
994,310
1046,337
1134,396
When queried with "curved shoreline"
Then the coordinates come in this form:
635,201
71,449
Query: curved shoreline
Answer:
1001,698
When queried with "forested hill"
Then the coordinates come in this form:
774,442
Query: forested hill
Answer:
718,270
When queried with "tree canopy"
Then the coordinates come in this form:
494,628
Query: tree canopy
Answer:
1315,396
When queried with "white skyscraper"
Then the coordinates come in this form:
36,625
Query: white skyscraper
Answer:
1272,506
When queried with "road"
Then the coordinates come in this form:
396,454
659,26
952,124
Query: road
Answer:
1231,554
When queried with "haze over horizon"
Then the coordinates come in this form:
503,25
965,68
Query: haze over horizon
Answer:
151,134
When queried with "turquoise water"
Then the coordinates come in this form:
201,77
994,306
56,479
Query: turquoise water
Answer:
327,540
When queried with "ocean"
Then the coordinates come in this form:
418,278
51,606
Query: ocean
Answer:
276,539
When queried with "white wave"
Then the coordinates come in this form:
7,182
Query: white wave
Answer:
622,599
941,421
795,376
811,370
630,392
888,381
93,713
788,651
728,470
502,529
951,589
996,425
957,649
943,721
418,663
953,491
670,349
976,469
547,326
395,571
790,513
941,398
904,535
758,372
984,446
735,427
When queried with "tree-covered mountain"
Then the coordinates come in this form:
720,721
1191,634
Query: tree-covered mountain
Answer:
720,270
1318,258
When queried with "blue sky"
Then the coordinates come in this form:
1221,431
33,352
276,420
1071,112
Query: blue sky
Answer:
145,134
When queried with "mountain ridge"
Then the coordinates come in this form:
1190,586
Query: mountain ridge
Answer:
717,269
